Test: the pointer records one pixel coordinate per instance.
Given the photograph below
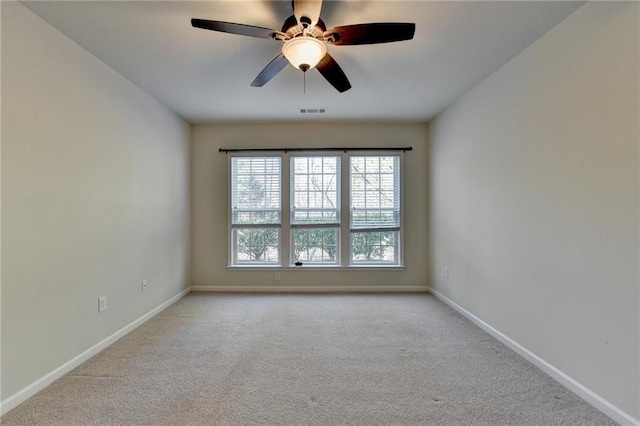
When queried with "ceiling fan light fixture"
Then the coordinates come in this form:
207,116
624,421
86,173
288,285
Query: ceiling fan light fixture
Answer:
304,52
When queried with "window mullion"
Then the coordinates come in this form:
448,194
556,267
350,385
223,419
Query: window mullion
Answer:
285,213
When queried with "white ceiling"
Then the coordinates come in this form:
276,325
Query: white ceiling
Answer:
204,76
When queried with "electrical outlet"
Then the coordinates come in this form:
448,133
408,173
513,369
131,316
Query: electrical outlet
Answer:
144,285
277,278
102,303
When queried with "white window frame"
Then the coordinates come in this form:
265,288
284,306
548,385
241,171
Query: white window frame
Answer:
286,243
398,230
337,225
232,255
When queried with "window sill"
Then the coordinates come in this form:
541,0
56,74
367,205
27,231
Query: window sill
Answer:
317,268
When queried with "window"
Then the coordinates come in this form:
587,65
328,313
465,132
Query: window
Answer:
315,209
375,209
339,210
255,210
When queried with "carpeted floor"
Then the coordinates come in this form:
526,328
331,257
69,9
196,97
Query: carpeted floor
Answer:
214,359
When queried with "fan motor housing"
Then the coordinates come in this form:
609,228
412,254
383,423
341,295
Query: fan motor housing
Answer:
293,29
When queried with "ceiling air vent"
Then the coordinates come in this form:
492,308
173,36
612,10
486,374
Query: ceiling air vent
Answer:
313,110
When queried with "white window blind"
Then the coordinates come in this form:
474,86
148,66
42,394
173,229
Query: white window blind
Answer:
375,193
315,190
255,190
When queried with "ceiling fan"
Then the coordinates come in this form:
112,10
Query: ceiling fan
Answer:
305,37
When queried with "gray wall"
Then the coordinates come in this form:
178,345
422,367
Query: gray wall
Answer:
534,206
210,196
95,178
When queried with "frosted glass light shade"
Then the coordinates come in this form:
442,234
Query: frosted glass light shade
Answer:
304,52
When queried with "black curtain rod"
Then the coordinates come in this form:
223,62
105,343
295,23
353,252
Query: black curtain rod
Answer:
345,149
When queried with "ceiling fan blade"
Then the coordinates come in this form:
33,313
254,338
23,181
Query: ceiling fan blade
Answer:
307,12
270,71
332,72
380,32
230,27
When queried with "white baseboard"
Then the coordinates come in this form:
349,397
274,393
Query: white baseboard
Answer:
35,387
574,386
312,289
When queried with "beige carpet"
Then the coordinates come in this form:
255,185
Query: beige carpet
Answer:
306,360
